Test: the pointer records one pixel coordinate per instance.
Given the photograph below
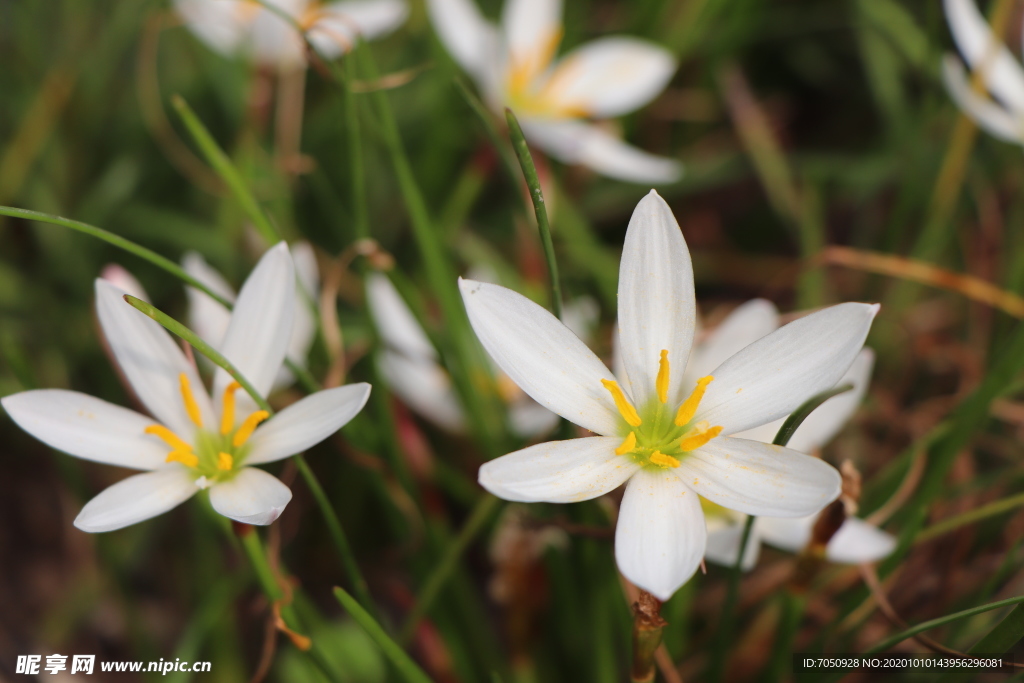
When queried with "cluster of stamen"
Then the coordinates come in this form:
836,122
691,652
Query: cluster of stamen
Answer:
212,455
652,439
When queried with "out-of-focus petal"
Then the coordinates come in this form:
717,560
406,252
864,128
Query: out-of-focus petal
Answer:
207,317
397,326
986,113
425,387
340,23
744,326
469,37
825,422
1002,73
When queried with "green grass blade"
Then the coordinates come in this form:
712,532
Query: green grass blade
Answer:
409,670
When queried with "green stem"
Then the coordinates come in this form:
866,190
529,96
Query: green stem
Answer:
484,115
797,417
361,217
955,522
539,208
443,571
226,170
405,665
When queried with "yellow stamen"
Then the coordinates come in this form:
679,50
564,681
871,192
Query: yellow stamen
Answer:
662,381
191,407
627,445
184,457
659,458
227,418
689,407
170,438
225,461
248,427
626,409
698,439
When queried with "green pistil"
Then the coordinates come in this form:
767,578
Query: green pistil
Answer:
209,446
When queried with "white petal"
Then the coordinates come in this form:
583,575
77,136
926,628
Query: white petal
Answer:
340,23
469,37
137,498
221,24
724,544
576,142
989,115
760,479
744,326
87,427
612,76
660,536
307,291
558,471
656,300
786,533
252,496
528,419
261,325
532,30
774,375
151,361
825,422
396,324
581,316
1002,73
274,41
207,317
125,281
857,542
425,387
306,423
541,355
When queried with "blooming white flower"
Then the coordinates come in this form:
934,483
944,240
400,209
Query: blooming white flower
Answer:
856,541
410,365
233,26
670,441
193,441
1002,112
514,65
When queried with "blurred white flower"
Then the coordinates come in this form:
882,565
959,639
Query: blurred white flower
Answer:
671,441
193,441
1000,110
233,26
410,364
515,66
856,541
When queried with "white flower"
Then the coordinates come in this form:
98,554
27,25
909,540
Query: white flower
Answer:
857,541
192,441
515,66
209,318
670,441
1002,112
410,365
232,26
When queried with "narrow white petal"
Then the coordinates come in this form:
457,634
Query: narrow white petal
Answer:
576,142
306,423
724,543
760,479
612,76
252,496
307,292
87,427
660,536
396,324
261,325
774,375
207,317
469,37
657,309
218,23
136,499
273,40
541,355
824,423
125,281
990,115
532,30
425,387
791,534
151,361
341,23
743,326
857,542
528,419
1001,71
558,471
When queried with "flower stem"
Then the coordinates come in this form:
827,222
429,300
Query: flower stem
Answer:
539,208
360,218
405,665
648,627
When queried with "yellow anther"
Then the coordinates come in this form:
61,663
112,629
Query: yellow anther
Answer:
191,407
227,418
628,445
662,382
696,439
689,407
248,427
184,457
170,438
659,458
626,409
225,461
